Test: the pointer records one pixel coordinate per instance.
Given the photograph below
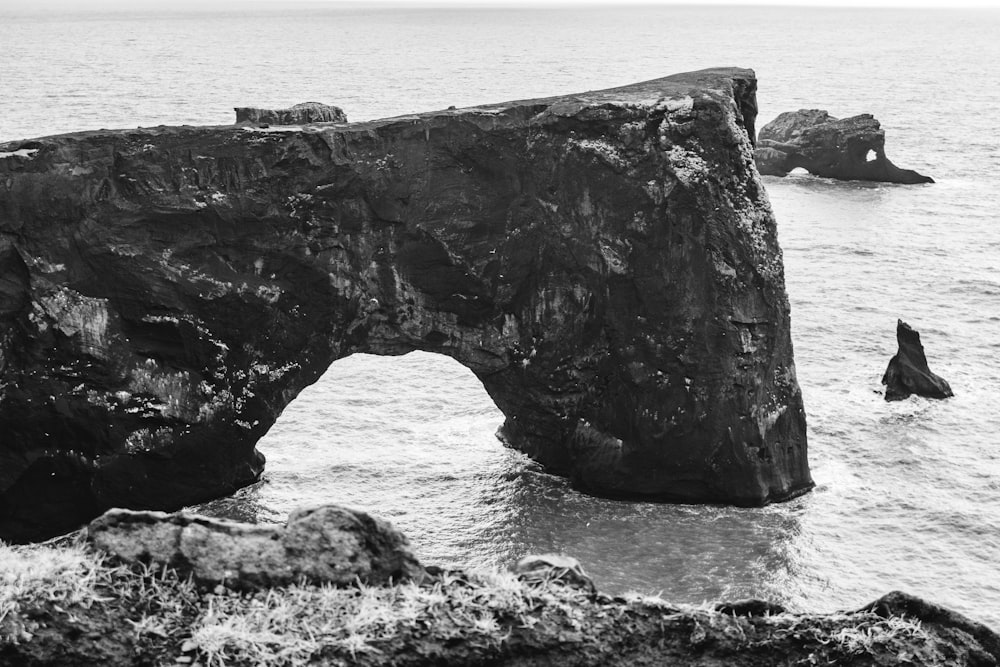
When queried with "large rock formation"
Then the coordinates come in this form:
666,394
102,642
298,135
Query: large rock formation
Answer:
299,114
321,545
850,149
606,263
908,373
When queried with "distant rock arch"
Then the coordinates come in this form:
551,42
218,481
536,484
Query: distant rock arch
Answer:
605,263
850,149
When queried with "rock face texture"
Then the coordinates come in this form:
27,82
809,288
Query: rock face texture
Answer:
908,373
300,114
850,149
327,544
606,263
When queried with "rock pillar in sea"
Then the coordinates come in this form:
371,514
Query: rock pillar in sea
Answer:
908,373
606,263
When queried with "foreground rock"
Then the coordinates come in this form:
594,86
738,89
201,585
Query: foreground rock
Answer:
553,567
605,263
327,544
68,608
908,373
942,621
850,149
300,114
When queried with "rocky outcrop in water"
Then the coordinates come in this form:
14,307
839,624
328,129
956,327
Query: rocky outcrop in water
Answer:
908,373
321,545
605,263
300,114
850,149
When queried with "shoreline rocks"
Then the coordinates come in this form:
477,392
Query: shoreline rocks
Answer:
908,373
851,149
71,604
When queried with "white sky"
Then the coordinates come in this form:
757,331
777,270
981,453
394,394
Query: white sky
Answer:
226,4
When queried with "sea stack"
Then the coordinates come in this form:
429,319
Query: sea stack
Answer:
849,149
606,263
908,372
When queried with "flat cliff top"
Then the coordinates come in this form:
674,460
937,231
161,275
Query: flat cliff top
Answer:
713,82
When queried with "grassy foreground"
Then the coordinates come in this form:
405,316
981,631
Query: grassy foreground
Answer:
67,605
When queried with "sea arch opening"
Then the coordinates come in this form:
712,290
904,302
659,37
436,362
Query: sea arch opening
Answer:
411,438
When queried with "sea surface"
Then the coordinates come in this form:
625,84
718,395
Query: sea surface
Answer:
908,493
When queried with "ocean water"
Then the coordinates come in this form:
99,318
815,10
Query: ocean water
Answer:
908,493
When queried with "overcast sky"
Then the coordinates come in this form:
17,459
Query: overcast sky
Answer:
213,4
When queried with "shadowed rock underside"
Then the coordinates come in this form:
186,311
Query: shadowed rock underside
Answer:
850,149
605,263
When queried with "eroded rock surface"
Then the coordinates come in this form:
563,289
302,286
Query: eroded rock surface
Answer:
850,149
326,544
908,373
300,114
606,263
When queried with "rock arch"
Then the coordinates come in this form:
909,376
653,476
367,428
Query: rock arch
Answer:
605,263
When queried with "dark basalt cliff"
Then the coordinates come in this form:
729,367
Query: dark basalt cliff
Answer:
850,149
605,263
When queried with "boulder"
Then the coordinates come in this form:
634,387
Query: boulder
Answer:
975,637
326,544
553,567
606,263
849,149
300,114
908,373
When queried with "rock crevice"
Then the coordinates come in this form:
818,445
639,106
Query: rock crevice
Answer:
606,263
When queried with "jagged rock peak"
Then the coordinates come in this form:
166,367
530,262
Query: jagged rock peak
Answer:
606,263
908,373
850,149
300,114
